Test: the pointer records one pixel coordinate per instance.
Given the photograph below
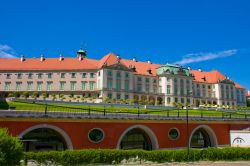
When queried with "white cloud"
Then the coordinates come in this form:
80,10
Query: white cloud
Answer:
7,52
199,57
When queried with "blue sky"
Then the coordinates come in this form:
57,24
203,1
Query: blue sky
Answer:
202,34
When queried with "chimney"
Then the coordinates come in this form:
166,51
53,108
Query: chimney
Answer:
200,70
149,62
22,58
134,59
189,68
80,57
118,57
42,58
61,58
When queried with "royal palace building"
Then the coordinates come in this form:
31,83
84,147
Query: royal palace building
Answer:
115,77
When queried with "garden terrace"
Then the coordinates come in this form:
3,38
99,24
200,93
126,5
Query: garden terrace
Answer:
109,111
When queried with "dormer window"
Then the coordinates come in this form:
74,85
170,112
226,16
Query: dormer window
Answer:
149,71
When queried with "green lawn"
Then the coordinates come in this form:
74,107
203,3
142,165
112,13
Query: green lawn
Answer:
110,109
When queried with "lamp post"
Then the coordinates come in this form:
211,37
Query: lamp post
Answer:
187,133
187,127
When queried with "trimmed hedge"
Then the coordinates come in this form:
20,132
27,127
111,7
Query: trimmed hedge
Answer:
80,157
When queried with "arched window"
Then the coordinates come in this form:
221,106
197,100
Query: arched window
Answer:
200,139
43,139
136,139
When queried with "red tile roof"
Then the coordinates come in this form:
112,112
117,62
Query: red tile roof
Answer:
207,77
238,86
47,64
141,68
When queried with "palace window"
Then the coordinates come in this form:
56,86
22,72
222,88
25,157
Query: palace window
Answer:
39,86
49,75
84,85
72,86
91,85
155,89
7,86
110,95
126,97
109,73
118,96
92,75
62,86
29,86
168,100
126,85
84,75
18,86
118,74
139,88
182,86
138,78
19,76
30,76
49,86
39,75
147,88
154,80
147,80
62,75
118,84
110,85
8,76
168,89
73,75
126,75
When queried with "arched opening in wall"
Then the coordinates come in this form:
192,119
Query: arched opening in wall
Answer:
203,137
43,139
136,139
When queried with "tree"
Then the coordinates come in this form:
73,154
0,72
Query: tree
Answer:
53,96
61,96
11,149
174,104
10,94
44,95
26,94
248,102
35,95
107,100
114,100
16,94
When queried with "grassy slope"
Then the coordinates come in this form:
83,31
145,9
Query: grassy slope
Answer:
111,109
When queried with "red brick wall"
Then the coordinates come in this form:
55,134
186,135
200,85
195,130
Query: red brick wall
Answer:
78,131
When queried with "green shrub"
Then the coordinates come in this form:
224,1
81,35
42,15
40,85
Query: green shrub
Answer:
105,156
11,149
